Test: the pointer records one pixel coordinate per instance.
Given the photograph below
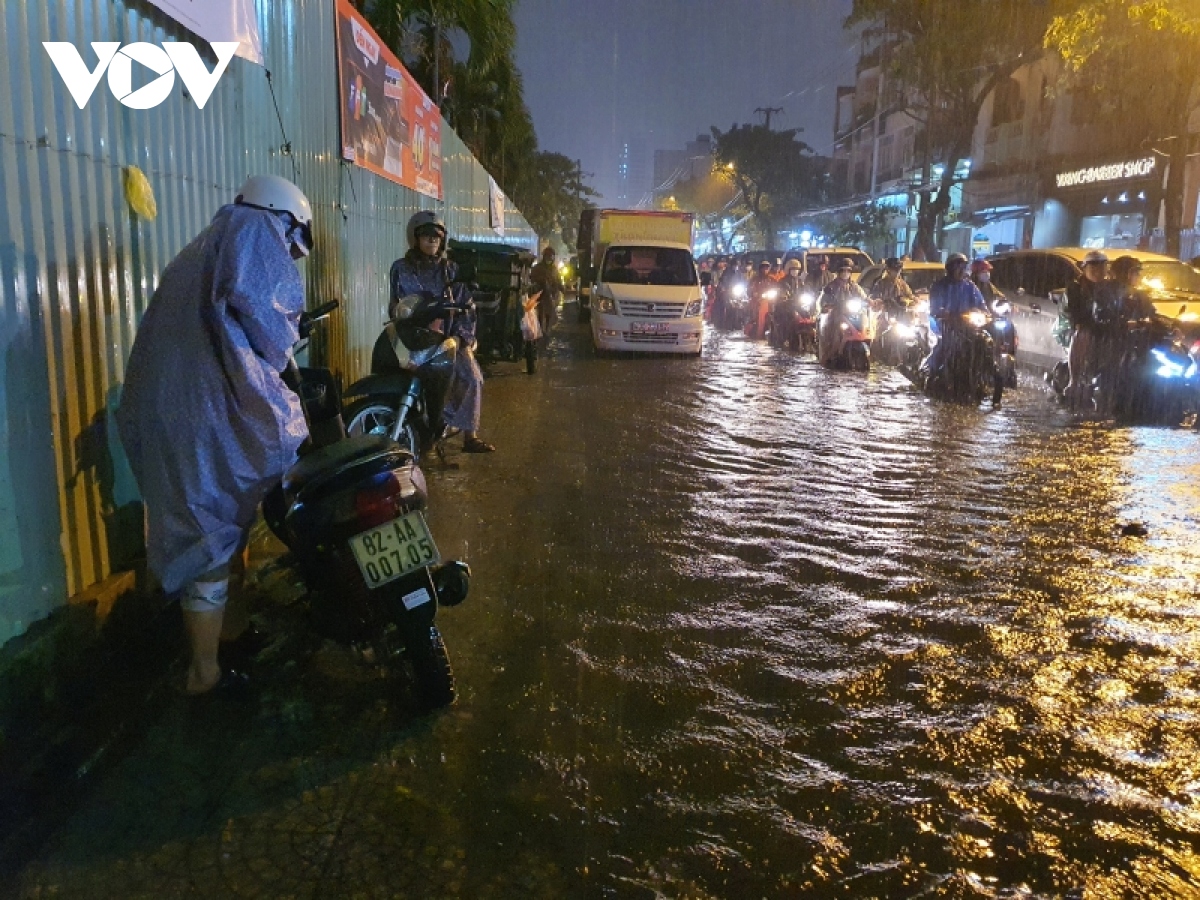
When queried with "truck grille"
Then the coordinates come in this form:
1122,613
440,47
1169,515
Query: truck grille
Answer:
648,309
660,339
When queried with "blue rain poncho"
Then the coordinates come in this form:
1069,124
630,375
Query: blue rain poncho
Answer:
206,420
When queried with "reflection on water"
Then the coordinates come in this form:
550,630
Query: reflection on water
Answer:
744,628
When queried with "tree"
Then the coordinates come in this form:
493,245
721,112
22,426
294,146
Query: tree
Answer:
776,173
946,57
869,227
552,194
1137,60
709,197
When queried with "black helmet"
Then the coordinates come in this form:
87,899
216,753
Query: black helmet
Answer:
955,259
893,262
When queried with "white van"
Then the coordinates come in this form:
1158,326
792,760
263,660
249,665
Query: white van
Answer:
645,293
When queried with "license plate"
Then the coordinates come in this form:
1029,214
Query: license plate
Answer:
650,328
395,549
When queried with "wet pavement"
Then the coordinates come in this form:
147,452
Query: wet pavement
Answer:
739,628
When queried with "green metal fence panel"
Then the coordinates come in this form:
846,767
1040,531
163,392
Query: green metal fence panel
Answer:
77,268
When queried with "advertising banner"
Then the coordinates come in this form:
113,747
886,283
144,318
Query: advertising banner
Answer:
495,206
219,20
389,126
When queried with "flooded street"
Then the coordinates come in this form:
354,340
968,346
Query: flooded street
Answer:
740,628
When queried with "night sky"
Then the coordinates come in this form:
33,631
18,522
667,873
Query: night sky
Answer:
656,73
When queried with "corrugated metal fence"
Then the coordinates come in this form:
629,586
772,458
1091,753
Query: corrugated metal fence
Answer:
77,269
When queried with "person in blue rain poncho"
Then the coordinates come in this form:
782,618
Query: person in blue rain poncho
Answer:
425,270
205,418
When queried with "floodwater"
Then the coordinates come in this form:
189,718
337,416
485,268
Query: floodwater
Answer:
740,628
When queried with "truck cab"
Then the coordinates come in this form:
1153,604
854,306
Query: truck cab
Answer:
644,292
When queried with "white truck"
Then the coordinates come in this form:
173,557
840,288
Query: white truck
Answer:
641,283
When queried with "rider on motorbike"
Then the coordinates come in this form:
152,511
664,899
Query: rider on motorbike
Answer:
784,314
760,303
981,274
1081,297
891,292
834,301
950,297
425,271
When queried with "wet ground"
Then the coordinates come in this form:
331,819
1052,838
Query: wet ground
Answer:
740,628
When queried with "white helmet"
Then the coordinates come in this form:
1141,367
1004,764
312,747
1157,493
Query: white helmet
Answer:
421,219
278,195
1095,256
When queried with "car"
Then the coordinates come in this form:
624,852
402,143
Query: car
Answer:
1035,282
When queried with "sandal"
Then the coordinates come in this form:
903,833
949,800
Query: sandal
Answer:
475,445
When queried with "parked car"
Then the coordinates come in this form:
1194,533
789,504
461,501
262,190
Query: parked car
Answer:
1035,282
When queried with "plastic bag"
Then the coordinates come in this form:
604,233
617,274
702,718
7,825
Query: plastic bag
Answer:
138,193
531,329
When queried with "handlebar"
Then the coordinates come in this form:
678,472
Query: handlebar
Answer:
309,319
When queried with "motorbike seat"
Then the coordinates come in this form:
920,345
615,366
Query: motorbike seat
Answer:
335,457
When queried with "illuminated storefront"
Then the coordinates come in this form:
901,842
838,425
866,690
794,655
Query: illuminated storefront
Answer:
1110,205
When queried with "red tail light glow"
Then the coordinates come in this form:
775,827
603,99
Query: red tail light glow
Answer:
379,503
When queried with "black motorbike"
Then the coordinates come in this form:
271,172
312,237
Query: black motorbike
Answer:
1146,374
350,513
968,373
411,368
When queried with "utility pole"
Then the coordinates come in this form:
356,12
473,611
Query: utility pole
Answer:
767,111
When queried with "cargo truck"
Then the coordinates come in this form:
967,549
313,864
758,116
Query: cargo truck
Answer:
638,281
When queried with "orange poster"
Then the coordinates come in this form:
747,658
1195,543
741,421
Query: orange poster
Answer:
389,125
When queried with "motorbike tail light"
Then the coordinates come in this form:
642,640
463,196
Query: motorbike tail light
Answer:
380,503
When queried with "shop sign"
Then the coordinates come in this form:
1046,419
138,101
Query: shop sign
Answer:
1122,171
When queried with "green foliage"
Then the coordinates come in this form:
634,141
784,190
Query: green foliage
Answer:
868,227
552,194
776,174
483,97
944,58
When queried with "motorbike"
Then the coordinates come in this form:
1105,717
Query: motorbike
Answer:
732,305
1004,345
895,332
850,320
968,373
350,512
803,338
1152,377
411,369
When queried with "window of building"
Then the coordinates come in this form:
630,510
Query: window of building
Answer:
1008,105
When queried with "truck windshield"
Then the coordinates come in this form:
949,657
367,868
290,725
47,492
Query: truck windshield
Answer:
648,265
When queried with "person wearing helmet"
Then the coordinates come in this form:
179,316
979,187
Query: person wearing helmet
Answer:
891,293
950,297
783,321
1081,299
205,418
545,277
981,274
819,274
834,298
425,270
760,304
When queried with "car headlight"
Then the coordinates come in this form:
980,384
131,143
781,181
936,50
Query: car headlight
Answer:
854,306
977,318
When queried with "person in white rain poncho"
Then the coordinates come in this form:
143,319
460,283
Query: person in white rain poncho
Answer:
205,418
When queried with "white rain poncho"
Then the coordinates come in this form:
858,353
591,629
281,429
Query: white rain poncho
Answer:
206,420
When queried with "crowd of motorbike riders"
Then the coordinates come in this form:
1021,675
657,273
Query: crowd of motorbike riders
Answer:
936,341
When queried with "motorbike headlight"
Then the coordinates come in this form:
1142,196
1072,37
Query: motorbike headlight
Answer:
854,306
807,301
921,306
771,294
977,318
1168,367
904,331
845,327
739,290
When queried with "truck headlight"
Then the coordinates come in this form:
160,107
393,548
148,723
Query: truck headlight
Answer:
693,309
604,303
